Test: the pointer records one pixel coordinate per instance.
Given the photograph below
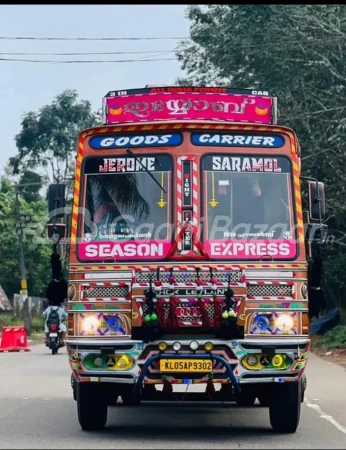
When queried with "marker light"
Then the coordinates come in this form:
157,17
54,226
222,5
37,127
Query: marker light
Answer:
98,362
194,345
162,346
125,362
251,360
277,360
176,346
208,346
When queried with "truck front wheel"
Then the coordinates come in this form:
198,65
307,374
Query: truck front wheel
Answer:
284,408
304,385
91,406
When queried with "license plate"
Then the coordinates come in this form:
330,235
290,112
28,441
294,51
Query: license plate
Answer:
53,334
186,365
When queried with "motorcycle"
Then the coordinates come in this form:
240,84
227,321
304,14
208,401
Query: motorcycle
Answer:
54,341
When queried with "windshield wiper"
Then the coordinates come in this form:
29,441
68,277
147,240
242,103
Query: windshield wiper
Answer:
149,173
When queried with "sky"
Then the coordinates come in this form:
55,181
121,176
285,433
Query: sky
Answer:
28,86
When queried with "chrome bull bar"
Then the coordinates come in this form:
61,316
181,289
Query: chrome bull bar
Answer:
209,356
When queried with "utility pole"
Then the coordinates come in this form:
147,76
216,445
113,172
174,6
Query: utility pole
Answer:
23,283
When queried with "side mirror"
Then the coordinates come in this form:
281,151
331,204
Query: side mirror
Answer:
317,202
56,232
56,198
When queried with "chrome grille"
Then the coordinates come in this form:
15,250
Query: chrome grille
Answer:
190,277
104,291
269,290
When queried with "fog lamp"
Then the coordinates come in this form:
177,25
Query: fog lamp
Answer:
194,345
208,346
176,346
162,346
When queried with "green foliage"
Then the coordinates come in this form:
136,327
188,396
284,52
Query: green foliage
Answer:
37,256
31,185
48,138
296,52
37,324
8,319
334,338
46,144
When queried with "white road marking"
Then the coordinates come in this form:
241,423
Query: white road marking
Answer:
325,416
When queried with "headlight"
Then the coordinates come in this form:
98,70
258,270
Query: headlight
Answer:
90,324
194,345
284,322
176,346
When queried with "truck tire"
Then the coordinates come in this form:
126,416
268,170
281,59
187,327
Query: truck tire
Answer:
74,388
304,384
284,408
91,406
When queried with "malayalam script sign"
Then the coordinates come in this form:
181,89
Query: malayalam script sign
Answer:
155,105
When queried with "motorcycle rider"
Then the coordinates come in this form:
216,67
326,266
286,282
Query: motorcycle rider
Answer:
56,295
62,316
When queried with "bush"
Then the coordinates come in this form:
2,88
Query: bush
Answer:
9,319
334,338
37,324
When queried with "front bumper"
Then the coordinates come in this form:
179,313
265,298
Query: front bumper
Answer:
230,368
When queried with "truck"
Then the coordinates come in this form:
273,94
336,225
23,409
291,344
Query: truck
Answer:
187,247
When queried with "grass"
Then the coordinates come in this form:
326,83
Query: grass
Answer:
334,338
9,319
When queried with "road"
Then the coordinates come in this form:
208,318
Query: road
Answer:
37,411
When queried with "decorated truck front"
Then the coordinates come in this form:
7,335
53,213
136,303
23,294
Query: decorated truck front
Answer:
187,254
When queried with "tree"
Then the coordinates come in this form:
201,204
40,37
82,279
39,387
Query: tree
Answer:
296,52
31,185
37,256
48,138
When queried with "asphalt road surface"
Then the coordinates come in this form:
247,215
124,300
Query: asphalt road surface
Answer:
37,411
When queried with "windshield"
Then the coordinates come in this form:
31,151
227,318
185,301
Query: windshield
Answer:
126,213
248,206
